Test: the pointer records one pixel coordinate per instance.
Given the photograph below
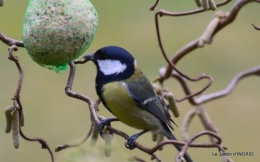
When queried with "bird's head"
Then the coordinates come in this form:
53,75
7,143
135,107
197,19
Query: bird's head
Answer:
113,63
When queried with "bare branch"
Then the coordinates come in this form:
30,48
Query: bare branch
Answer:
230,87
206,98
154,5
135,159
185,124
227,19
16,99
184,149
9,41
205,120
70,93
257,28
65,146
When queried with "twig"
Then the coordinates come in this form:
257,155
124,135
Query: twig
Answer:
16,99
70,93
135,159
154,5
194,44
9,41
257,28
172,65
209,97
205,120
230,87
184,149
65,146
185,124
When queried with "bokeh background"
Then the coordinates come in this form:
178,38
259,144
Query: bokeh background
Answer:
52,115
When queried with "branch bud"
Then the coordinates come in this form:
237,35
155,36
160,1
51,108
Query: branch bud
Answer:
212,5
198,3
15,130
172,105
154,137
107,136
9,118
94,135
205,5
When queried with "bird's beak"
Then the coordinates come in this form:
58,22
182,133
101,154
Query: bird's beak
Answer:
89,57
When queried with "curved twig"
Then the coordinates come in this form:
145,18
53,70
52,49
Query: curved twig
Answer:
16,99
65,146
154,5
172,65
229,88
195,43
209,97
10,41
256,28
184,149
72,94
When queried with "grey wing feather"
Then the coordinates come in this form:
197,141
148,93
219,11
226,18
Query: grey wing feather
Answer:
143,94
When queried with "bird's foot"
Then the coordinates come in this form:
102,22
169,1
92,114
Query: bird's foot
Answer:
103,123
130,143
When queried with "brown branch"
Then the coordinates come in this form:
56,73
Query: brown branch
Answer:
187,144
65,146
256,28
205,120
227,19
200,77
16,99
135,159
154,5
209,97
10,41
230,87
232,14
72,94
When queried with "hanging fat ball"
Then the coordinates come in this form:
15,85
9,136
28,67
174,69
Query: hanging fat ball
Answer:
56,32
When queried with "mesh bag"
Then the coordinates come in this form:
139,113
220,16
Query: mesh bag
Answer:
56,32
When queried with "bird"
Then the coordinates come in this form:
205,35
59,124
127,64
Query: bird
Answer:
128,94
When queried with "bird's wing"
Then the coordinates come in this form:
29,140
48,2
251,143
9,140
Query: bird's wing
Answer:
143,93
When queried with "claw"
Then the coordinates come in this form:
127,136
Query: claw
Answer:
103,123
130,143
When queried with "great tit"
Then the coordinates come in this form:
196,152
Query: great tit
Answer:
126,92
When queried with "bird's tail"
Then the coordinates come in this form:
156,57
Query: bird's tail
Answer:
179,148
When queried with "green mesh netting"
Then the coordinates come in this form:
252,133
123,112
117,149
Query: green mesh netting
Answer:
56,32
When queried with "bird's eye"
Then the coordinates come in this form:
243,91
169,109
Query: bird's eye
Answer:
103,57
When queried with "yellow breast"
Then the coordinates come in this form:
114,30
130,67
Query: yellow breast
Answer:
125,109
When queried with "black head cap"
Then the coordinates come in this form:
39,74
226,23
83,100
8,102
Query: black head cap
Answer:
111,53
113,64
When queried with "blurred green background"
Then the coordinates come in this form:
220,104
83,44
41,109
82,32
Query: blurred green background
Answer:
52,115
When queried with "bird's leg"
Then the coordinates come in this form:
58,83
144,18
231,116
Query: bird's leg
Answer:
105,122
130,143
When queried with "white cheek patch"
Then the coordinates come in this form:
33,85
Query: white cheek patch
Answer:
108,67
